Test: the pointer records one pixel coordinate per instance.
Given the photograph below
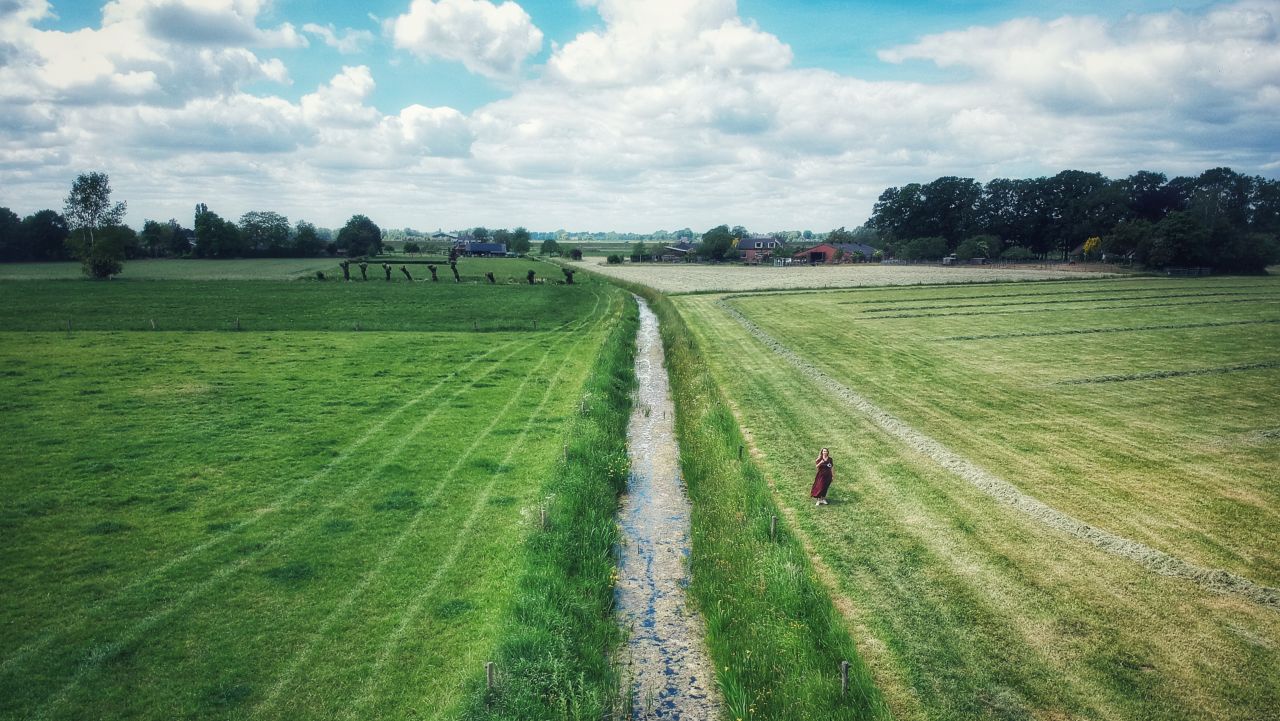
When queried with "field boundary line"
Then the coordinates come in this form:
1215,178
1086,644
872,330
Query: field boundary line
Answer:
415,609
1123,329
109,650
299,658
1048,294
1055,301
1215,580
1267,298
1155,375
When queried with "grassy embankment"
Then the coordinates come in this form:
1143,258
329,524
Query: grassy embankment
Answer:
1146,407
774,635
556,657
273,524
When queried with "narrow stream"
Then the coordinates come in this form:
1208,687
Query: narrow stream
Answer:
671,673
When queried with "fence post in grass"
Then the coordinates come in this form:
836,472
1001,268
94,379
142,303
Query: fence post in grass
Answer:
153,324
68,326
844,678
739,452
773,528
542,513
566,451
475,325
237,324
488,675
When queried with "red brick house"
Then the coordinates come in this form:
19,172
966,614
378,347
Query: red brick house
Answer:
828,252
757,248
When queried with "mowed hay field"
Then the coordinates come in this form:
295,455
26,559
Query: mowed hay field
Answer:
1149,408
275,523
679,278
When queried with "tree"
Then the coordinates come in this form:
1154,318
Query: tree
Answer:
480,233
412,247
1179,240
264,232
638,252
216,237
360,237
520,240
501,235
12,245
716,243
550,247
930,248
306,241
978,246
88,206
1091,247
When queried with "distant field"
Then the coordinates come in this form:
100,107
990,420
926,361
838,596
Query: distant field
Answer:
299,305
277,523
1147,407
693,278
472,269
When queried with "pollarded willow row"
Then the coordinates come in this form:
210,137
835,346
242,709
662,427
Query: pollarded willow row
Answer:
1216,580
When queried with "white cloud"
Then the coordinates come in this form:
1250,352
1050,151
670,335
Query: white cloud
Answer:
488,39
348,43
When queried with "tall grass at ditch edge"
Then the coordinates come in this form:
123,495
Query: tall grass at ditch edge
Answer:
775,637
555,659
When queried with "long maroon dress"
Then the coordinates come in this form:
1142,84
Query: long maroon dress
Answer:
822,481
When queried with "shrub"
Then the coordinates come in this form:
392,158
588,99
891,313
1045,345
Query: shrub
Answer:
1018,252
614,259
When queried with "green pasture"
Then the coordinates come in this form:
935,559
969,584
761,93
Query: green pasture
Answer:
471,269
299,305
284,522
1147,407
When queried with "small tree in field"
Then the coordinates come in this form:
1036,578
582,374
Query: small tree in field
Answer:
88,208
1091,247
550,247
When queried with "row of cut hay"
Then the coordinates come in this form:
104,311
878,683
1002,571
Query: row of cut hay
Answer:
775,637
556,657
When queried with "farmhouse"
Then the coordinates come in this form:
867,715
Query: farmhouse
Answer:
679,251
442,237
757,248
834,252
478,249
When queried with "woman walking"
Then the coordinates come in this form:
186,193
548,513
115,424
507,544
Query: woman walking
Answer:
822,481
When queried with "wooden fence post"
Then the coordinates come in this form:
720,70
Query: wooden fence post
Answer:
773,527
739,452
488,675
844,678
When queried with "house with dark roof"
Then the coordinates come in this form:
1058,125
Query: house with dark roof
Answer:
682,250
467,245
757,248
834,253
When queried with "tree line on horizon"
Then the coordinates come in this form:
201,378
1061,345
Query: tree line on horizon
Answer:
1219,218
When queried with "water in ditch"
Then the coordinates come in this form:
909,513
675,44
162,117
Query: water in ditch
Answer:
666,659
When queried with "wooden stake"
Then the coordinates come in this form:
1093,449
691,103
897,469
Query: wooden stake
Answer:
773,527
844,678
739,452
566,452
543,512
153,324
237,324
475,325
488,674
68,326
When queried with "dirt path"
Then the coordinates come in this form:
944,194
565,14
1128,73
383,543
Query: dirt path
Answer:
1216,580
671,673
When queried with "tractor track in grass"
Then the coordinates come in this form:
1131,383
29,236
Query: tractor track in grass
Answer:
1121,329
1156,375
101,653
1260,299
40,643
1215,580
320,632
419,601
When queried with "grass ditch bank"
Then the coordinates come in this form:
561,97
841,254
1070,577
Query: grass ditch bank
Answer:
774,635
557,659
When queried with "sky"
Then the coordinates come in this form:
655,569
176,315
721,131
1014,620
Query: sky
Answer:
619,115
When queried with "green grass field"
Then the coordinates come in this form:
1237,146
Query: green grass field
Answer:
292,521
471,269
1146,407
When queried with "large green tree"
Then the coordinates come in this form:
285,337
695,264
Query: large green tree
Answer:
265,232
215,236
360,237
306,241
520,240
716,243
12,244
88,208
